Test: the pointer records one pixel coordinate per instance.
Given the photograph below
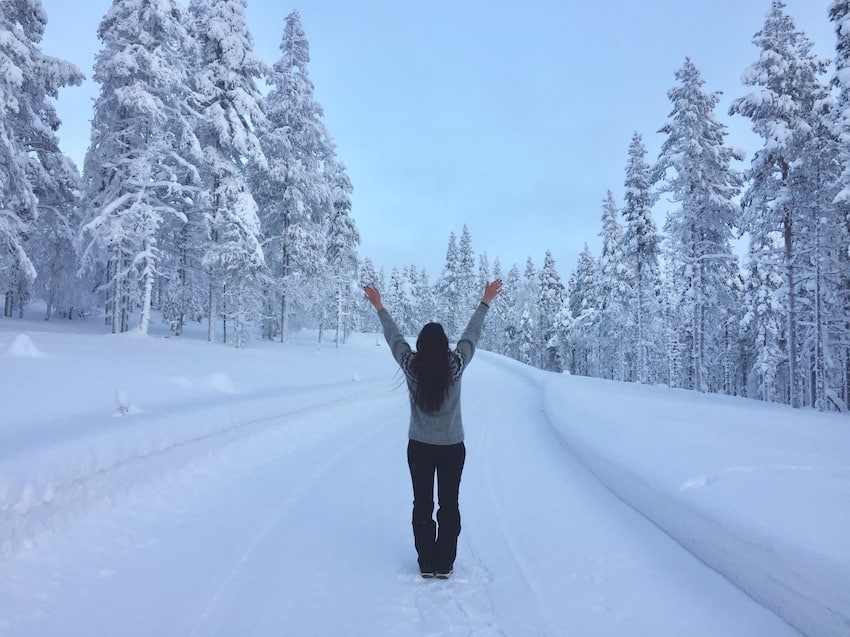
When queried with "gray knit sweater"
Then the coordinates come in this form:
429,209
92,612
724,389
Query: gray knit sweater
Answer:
442,427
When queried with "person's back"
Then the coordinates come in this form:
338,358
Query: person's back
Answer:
444,425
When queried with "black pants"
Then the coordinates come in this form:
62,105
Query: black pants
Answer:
436,547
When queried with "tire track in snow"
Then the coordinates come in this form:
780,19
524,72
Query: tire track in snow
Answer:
502,516
527,479
275,519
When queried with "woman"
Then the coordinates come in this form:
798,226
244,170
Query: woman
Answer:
433,374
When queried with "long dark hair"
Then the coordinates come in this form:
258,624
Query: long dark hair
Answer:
431,366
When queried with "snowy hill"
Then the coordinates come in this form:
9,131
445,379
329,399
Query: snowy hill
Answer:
157,486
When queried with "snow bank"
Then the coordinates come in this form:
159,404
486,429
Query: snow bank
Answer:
758,492
81,428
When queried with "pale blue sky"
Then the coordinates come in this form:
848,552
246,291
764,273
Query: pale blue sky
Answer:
513,118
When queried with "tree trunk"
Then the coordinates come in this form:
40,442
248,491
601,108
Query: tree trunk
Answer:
793,385
338,312
49,309
284,319
213,312
147,293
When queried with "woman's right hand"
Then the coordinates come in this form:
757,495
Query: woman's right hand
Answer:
373,296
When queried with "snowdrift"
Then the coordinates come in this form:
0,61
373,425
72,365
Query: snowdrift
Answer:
758,492
75,441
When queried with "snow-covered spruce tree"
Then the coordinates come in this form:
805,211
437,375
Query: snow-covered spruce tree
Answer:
821,252
641,270
483,271
55,240
231,111
421,294
341,250
427,303
467,279
402,295
33,171
785,107
840,16
183,293
141,164
509,313
368,320
496,321
481,279
763,325
54,245
694,167
552,323
613,289
583,304
497,271
529,342
293,191
448,293
395,296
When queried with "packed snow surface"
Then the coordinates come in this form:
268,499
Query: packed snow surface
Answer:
169,486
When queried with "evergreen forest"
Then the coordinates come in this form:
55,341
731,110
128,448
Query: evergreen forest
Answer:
203,199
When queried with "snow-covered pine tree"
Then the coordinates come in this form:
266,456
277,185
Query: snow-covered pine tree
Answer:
784,108
368,320
763,325
497,271
496,321
33,171
821,252
447,292
142,162
509,313
552,323
839,14
641,268
583,353
695,167
293,190
527,333
526,312
413,298
427,303
612,292
469,294
341,249
483,270
230,107
55,244
482,278
400,295
53,240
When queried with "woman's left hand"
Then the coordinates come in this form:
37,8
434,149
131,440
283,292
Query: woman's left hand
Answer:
492,290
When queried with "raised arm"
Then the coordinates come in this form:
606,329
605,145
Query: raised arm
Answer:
469,339
398,345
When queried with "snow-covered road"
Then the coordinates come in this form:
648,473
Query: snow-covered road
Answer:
301,526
